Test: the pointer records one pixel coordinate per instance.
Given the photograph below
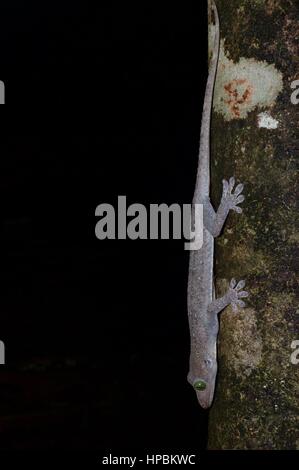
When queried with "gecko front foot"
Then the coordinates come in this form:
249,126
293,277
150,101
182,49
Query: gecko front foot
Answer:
232,199
235,294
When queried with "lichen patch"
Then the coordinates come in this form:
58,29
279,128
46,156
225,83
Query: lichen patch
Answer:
245,351
241,87
266,121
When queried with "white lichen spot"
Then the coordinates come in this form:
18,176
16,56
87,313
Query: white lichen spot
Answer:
265,120
241,87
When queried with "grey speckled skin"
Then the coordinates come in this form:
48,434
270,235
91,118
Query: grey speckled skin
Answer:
203,309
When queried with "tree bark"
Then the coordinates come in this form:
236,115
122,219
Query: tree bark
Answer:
254,139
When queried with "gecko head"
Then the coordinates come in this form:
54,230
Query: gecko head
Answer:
203,381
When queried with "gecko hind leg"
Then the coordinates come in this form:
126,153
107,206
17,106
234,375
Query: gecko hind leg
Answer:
232,297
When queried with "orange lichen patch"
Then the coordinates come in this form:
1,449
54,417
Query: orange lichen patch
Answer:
239,93
244,85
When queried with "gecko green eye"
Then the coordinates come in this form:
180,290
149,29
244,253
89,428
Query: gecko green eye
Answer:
200,385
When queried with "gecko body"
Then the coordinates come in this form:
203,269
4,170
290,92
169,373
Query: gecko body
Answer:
203,308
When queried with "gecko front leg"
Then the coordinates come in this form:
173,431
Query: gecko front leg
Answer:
232,297
214,221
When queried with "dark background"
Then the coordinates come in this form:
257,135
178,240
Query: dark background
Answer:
101,101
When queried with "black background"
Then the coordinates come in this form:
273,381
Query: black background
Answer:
101,101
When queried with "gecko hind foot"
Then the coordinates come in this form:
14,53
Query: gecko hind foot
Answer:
232,199
235,294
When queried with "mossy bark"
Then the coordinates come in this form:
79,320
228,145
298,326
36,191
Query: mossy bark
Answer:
254,130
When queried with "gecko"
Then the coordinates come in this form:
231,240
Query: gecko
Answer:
203,308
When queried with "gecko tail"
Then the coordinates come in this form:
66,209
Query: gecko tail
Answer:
203,172
217,28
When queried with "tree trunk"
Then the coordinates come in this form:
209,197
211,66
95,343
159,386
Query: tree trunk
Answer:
254,139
